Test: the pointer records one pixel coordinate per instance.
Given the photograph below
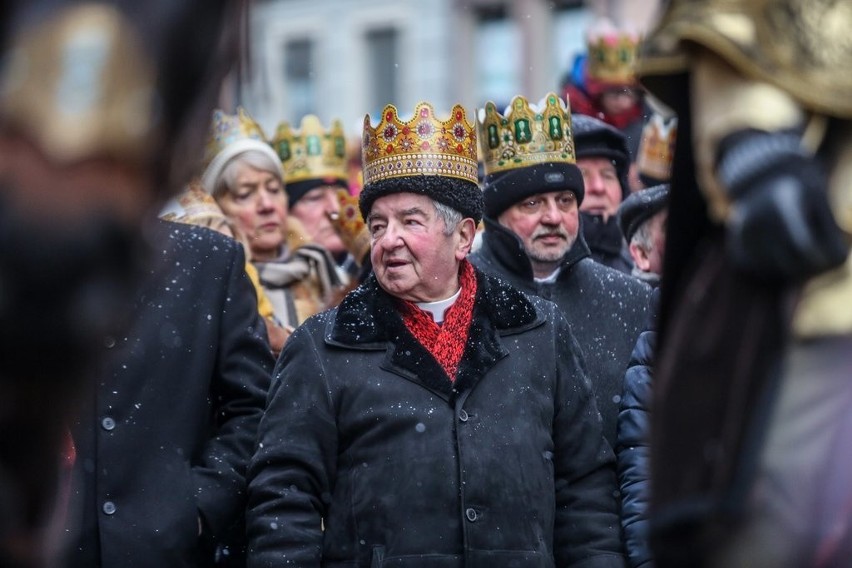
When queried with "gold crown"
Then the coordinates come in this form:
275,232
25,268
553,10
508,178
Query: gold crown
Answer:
612,58
350,226
656,149
312,153
524,136
230,128
424,145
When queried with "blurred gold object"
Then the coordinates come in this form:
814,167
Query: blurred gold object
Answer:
81,86
801,46
351,227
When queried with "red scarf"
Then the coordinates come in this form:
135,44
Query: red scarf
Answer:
445,342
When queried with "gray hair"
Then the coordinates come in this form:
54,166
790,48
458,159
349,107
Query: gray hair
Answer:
449,216
252,158
642,236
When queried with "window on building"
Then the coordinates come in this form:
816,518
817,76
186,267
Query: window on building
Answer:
383,68
497,56
300,78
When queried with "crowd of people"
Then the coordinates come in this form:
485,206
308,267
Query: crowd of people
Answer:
591,330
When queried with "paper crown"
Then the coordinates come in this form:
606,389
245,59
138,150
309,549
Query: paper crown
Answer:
231,135
230,128
612,54
656,148
312,152
81,85
350,226
424,145
525,136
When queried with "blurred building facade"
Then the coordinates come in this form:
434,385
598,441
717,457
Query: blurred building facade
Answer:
345,58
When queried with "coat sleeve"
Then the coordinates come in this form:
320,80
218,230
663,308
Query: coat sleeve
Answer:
238,395
587,532
290,476
632,449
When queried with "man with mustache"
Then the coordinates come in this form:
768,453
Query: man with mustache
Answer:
533,240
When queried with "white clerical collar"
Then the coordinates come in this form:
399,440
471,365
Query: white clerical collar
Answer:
549,279
437,309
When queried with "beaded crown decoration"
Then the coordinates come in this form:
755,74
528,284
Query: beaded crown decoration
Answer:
526,135
656,148
612,54
423,145
311,152
229,128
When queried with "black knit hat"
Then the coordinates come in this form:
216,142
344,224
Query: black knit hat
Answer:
297,189
462,195
641,206
501,190
594,138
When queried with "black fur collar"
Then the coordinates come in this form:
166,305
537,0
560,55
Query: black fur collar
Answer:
367,319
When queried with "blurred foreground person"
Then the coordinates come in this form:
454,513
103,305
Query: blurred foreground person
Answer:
751,429
91,116
437,416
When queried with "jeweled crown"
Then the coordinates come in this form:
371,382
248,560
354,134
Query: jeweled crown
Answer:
525,136
424,145
311,152
229,128
612,55
656,148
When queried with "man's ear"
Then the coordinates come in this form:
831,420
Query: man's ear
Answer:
640,257
466,232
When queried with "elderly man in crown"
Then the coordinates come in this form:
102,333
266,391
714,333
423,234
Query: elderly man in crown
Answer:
437,416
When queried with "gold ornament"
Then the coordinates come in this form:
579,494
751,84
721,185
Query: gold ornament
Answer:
656,149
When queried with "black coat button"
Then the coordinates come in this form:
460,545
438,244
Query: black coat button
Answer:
109,507
108,424
463,415
471,514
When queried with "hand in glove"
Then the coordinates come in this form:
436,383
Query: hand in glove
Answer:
781,226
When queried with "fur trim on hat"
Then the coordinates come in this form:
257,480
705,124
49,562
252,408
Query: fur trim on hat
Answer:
463,196
501,190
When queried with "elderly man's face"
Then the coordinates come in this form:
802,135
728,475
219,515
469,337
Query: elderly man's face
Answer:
547,224
603,189
257,204
412,257
313,210
649,257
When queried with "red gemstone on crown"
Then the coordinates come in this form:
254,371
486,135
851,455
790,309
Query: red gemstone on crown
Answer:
459,132
389,149
425,146
389,116
389,132
424,112
459,148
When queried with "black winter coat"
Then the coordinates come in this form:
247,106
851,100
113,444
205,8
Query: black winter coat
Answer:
174,416
606,242
632,450
365,432
606,308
